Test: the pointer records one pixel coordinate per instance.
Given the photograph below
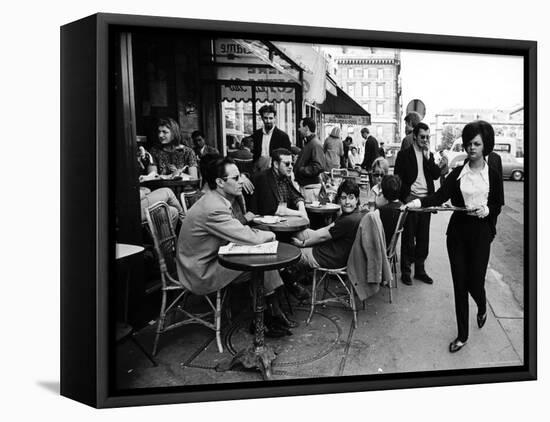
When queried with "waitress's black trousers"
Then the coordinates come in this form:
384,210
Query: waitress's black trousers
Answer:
468,246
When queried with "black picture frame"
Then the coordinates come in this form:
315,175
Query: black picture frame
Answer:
86,231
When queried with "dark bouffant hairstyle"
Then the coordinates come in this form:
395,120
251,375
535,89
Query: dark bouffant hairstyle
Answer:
391,186
348,187
482,128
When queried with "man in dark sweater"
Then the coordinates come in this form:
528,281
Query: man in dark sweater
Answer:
310,162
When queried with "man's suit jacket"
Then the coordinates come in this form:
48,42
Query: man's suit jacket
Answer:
208,225
279,139
407,169
372,152
266,199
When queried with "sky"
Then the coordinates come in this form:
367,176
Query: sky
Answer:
457,80
444,80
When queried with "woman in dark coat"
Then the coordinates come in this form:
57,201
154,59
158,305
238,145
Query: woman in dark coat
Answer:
479,188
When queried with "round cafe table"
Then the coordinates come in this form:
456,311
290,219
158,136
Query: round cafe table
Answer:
288,224
328,208
258,355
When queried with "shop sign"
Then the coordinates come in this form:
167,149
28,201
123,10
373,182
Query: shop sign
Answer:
347,119
229,51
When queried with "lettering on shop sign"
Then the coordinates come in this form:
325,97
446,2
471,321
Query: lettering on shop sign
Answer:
233,49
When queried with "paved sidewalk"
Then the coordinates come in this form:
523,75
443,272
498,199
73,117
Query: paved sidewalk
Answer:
410,334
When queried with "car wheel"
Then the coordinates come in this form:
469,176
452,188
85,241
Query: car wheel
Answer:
517,175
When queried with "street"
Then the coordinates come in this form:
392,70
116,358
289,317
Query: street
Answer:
506,262
507,249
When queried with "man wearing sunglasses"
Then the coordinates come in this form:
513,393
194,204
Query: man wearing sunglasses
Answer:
274,187
417,169
275,194
213,222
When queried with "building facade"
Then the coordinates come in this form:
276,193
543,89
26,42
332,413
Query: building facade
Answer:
371,76
507,122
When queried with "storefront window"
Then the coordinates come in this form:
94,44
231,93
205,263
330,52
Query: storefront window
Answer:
238,123
284,120
240,118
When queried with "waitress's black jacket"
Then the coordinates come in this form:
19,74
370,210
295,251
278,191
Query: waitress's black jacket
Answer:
460,219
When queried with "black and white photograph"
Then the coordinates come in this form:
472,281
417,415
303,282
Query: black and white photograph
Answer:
290,210
274,211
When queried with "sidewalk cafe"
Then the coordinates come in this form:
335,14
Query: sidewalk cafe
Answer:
170,88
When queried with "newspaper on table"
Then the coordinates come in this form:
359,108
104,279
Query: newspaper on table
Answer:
262,248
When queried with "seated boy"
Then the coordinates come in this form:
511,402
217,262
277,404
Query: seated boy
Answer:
329,247
389,212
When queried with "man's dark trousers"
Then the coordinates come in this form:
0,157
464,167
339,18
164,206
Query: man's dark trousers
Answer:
415,241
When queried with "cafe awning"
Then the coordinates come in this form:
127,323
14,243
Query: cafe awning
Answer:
341,108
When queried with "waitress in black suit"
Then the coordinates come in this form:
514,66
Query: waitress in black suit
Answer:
478,187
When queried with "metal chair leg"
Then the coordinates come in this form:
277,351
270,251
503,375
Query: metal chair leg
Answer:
218,320
145,352
160,325
313,297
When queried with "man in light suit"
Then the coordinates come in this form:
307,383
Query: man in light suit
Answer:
211,223
268,138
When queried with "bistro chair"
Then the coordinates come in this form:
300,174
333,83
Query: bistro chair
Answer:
391,251
174,293
322,293
188,198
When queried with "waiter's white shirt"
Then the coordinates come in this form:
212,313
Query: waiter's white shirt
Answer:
266,140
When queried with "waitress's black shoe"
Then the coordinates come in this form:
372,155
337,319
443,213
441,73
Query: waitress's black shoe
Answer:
456,345
481,319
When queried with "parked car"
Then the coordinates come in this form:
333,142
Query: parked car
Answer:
512,168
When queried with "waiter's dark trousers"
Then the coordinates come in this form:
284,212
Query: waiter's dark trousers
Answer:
469,247
415,242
